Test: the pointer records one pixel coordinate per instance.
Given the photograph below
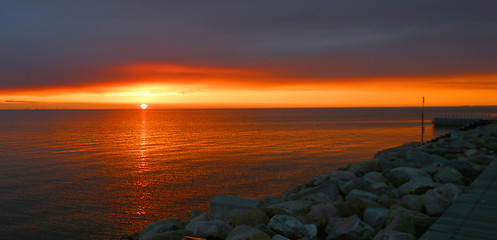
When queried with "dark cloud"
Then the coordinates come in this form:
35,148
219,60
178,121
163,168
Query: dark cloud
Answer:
68,43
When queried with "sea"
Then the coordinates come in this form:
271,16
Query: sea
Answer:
101,174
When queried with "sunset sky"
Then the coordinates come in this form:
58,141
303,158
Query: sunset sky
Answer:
198,54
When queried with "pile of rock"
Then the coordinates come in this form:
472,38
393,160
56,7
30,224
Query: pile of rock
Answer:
397,195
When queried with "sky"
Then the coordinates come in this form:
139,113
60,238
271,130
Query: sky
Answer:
201,54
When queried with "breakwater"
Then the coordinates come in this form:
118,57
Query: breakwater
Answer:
398,194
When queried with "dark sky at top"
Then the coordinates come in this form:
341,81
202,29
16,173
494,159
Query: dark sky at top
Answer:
69,43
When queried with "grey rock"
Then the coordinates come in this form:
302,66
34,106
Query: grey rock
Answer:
213,229
343,175
329,189
379,188
418,158
421,221
413,202
376,217
346,187
244,232
401,224
294,207
436,201
348,228
361,195
319,198
361,168
466,168
471,152
270,200
393,235
170,235
161,226
287,226
280,237
194,213
202,217
448,175
320,213
193,226
312,231
222,203
417,185
374,177
401,175
250,217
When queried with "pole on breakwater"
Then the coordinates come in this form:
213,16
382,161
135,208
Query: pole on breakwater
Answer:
423,121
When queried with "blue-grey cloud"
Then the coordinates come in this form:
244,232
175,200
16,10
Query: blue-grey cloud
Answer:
69,43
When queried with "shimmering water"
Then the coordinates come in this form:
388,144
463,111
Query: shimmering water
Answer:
98,174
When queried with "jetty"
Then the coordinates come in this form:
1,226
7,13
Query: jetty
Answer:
461,120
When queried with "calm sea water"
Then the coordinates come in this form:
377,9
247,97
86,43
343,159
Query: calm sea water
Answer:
98,174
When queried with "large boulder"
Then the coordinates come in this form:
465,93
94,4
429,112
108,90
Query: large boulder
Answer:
436,201
287,226
379,188
161,226
320,213
401,224
295,207
420,221
250,217
213,229
376,217
448,175
359,200
401,175
244,232
374,177
417,185
466,168
348,228
393,235
412,201
331,190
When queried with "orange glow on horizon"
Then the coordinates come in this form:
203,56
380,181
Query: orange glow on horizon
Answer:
170,85
144,106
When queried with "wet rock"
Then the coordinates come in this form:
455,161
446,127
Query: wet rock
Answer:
348,228
393,235
287,226
448,175
401,175
376,217
250,217
294,207
320,213
152,230
213,229
244,232
222,203
417,185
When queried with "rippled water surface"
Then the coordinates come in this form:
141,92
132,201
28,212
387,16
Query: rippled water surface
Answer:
98,174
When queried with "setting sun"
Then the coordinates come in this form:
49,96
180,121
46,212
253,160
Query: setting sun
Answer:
143,106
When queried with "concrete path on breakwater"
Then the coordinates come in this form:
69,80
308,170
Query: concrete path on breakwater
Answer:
474,214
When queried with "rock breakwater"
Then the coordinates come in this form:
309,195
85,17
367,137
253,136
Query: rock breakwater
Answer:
398,194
